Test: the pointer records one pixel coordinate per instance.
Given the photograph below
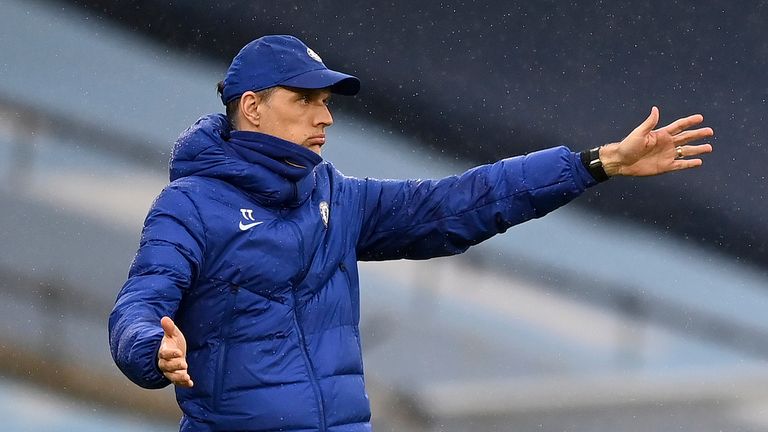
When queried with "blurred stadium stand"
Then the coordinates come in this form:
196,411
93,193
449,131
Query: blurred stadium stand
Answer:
572,322
27,408
487,79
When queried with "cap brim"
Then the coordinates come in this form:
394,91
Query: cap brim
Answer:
338,82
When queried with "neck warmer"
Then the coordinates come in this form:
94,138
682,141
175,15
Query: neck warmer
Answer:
276,173
281,172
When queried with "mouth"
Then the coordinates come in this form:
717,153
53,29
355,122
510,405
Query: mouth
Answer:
316,140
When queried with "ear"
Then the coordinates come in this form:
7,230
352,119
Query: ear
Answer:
249,108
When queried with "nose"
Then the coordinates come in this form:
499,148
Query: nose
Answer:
323,116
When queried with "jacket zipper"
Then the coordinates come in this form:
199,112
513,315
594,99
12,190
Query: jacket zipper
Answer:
302,261
219,384
343,269
310,368
355,308
295,192
300,332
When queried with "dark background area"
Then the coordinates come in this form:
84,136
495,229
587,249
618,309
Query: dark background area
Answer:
485,80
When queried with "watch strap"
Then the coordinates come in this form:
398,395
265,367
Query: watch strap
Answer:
591,160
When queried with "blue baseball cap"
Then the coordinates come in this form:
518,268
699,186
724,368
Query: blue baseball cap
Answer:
280,60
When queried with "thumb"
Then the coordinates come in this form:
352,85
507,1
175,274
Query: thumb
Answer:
169,328
650,122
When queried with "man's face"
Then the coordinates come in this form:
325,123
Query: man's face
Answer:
296,115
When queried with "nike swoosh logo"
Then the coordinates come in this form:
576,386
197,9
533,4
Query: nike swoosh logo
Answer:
244,227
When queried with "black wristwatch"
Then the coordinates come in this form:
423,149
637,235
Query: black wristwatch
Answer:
591,160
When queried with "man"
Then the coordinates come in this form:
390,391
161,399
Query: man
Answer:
244,291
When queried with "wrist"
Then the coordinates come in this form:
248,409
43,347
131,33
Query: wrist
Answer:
609,156
593,164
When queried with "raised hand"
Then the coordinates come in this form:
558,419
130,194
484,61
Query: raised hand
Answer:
647,152
172,355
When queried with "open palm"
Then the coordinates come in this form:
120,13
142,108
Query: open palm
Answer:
647,152
172,355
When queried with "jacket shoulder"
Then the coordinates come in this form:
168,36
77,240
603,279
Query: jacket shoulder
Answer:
201,190
328,173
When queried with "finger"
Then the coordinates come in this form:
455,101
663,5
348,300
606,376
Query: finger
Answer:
168,326
166,353
167,369
176,376
172,365
186,383
682,124
181,379
696,150
692,135
682,164
649,123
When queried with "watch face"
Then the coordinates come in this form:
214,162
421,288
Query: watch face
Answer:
595,165
594,158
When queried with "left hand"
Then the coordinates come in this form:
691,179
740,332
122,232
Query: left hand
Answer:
647,152
172,354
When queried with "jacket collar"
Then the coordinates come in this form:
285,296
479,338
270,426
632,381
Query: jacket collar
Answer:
275,172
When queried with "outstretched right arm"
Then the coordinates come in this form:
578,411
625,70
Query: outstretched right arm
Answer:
165,266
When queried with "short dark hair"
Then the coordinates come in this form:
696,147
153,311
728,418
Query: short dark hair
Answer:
234,105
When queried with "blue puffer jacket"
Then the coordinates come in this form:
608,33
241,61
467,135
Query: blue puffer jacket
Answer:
252,249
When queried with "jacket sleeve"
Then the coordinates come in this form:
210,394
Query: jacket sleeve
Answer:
166,264
419,219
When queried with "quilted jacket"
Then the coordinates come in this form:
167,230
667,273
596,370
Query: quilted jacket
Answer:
253,248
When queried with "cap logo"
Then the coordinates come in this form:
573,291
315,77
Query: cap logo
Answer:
314,55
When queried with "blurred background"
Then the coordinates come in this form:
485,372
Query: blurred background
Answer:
642,306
